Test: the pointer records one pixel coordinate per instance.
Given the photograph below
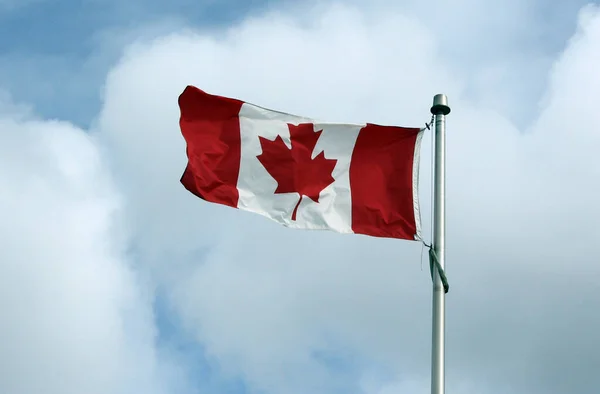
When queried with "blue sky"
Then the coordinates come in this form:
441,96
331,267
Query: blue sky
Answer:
132,285
55,54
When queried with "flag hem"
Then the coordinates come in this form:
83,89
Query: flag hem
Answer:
415,184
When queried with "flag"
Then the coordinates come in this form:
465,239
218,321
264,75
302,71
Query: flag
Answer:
302,173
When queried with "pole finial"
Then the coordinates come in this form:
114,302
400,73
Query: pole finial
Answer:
440,105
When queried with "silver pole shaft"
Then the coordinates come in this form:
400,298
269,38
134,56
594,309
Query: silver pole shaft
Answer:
439,109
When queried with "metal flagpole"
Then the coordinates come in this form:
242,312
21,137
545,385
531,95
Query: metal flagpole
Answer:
439,109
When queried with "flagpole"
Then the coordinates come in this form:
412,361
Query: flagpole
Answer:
439,109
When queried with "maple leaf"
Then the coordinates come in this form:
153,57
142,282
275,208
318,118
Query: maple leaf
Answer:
294,169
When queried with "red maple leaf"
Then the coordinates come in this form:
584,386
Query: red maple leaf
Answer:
294,169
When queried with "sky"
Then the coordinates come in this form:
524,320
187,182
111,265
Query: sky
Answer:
115,279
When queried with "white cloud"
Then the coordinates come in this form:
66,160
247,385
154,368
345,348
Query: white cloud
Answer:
75,318
263,299
247,293
270,303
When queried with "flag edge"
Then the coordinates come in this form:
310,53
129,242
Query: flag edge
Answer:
415,185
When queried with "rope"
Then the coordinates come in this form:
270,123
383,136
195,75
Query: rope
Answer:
433,261
428,125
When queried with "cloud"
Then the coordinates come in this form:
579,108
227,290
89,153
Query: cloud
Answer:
289,311
75,317
295,312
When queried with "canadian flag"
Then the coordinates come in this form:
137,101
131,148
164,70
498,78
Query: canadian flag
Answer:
300,172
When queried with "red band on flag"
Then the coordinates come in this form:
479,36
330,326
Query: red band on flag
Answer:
211,128
381,180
